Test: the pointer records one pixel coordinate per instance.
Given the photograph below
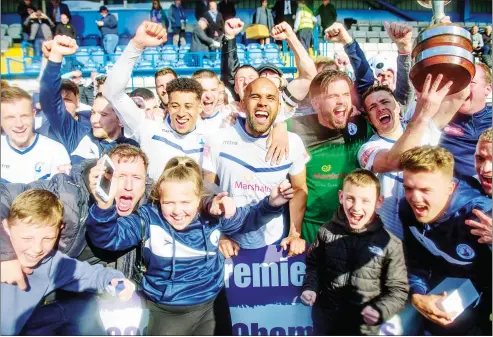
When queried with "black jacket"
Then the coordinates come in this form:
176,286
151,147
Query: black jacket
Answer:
200,9
279,12
349,269
22,11
63,8
68,30
229,65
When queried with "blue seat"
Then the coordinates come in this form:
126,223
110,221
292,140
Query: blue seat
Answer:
255,54
169,47
82,57
124,39
169,55
253,46
151,54
217,63
241,55
240,46
120,49
257,62
91,40
271,53
89,64
98,57
188,37
144,65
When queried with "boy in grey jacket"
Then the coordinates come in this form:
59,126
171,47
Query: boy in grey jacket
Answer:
34,224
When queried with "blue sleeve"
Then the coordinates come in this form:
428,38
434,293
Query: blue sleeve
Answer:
109,231
250,218
67,129
362,71
77,276
110,21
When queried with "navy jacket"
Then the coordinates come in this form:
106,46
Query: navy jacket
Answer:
183,267
63,8
76,137
175,15
460,137
446,248
110,25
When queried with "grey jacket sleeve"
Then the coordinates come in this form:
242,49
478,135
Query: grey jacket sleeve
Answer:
395,282
404,92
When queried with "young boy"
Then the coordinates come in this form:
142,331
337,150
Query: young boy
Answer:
355,270
33,224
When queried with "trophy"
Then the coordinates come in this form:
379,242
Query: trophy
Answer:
442,48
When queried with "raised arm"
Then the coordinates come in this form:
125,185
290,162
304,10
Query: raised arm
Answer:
298,88
229,55
65,127
362,71
148,35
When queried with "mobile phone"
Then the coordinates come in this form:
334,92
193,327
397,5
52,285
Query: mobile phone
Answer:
104,183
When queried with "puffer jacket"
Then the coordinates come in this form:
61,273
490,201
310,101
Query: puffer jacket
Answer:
350,269
74,193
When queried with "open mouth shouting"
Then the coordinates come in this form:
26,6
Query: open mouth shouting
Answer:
181,122
385,118
420,210
208,107
355,217
485,180
124,204
340,114
261,116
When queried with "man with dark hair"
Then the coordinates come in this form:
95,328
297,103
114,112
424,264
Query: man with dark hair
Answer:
25,9
439,245
150,105
332,136
55,8
382,152
178,135
108,25
80,141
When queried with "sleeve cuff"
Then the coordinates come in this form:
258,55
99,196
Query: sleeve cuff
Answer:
417,289
269,208
103,215
53,67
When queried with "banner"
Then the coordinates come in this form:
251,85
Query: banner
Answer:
263,288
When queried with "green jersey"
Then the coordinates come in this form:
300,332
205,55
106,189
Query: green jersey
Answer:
333,155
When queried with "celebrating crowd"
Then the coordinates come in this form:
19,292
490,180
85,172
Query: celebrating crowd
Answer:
385,188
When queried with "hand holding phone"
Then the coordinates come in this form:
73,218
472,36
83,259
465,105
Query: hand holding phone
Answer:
100,182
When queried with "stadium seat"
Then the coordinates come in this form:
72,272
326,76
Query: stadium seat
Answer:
151,54
82,57
257,62
120,49
3,29
98,57
254,54
360,39
89,64
188,38
124,39
377,28
363,28
217,63
271,51
376,23
241,55
373,36
423,24
358,33
468,25
386,40
240,46
169,47
15,31
90,40
383,34
170,55
4,45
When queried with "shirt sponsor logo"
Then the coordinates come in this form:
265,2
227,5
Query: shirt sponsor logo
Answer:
465,251
252,187
453,130
376,250
165,130
5,166
331,176
366,155
207,151
326,168
230,142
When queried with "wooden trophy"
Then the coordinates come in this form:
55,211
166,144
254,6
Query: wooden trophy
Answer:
442,48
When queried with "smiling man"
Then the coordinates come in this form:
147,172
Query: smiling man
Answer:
381,154
235,159
26,155
437,242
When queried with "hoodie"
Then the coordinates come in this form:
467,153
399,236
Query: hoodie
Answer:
56,271
183,267
350,269
446,247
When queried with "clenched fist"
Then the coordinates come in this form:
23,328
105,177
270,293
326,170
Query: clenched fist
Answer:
150,34
401,34
338,34
62,46
282,31
233,27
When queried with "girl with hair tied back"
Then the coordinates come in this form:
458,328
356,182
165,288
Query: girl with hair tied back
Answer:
184,268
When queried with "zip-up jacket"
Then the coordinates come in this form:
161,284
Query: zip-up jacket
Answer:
183,267
446,247
460,137
56,271
75,136
109,25
350,269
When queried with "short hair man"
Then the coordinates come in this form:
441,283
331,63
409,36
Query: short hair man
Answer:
179,135
332,136
235,158
437,242
149,104
381,154
26,156
79,140
461,134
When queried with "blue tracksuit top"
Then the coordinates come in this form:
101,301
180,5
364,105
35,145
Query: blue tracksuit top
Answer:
75,136
446,247
183,267
460,137
56,271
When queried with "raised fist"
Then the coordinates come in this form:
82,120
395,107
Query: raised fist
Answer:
233,27
150,34
282,31
63,45
46,48
401,34
338,34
